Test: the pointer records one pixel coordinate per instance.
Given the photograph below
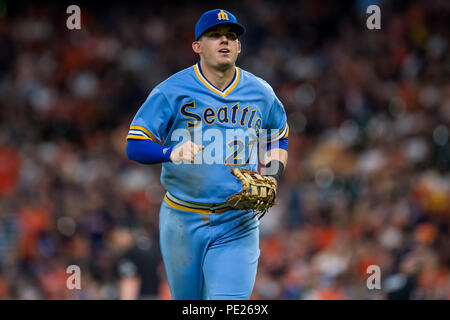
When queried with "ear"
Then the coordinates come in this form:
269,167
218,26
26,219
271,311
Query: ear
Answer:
239,46
196,47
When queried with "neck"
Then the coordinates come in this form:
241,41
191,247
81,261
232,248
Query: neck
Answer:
218,77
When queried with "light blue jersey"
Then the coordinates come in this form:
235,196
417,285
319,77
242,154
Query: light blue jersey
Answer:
229,123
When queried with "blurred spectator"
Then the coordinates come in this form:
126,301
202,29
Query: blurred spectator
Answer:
137,266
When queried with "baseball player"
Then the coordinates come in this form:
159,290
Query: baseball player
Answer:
199,123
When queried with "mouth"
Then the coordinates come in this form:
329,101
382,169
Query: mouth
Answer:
225,51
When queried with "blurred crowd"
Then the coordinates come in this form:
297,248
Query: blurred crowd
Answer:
367,181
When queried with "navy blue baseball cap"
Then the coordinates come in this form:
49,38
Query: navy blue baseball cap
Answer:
214,17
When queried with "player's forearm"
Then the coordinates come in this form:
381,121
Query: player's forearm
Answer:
276,160
277,150
147,151
277,154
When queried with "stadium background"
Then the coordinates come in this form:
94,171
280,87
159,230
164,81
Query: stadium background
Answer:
367,181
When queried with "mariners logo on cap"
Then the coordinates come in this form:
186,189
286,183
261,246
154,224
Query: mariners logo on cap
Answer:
222,15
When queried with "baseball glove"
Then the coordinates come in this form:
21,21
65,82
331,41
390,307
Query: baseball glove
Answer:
258,192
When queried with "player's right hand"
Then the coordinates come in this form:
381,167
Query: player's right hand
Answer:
187,151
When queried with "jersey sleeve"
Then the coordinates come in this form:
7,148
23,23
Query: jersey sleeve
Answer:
152,119
276,127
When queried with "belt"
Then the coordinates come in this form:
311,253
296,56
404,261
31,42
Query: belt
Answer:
203,208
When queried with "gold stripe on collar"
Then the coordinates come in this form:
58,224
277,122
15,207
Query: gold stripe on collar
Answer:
212,88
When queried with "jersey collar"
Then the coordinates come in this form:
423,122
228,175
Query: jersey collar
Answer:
210,86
